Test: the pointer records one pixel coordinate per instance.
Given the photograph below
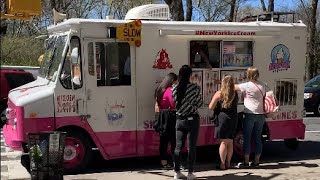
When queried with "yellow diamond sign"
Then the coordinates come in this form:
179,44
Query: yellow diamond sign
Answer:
130,32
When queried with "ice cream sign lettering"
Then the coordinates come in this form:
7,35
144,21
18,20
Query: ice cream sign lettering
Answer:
66,103
280,58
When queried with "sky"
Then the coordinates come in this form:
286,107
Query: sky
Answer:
279,4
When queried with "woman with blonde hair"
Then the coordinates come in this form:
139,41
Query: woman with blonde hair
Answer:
226,100
254,115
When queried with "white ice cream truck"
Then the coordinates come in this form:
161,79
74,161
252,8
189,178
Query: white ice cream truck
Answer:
97,80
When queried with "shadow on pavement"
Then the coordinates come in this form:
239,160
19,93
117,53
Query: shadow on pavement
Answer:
240,176
287,165
277,152
208,157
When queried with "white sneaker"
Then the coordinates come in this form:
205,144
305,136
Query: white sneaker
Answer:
179,175
191,176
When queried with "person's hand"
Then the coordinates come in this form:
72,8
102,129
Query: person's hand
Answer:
209,66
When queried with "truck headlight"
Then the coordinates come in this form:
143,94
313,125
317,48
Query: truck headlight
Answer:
307,95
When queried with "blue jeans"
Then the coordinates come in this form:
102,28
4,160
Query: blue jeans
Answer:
252,127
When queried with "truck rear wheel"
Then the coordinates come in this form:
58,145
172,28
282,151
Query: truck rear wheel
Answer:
238,144
291,143
77,152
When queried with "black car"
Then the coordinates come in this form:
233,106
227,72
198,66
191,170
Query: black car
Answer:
312,96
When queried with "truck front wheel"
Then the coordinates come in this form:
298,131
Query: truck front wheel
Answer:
77,152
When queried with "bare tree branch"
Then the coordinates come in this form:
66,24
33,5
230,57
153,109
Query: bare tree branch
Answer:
263,5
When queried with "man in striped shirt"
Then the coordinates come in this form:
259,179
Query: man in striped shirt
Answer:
188,99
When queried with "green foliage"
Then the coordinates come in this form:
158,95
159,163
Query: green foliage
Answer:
20,51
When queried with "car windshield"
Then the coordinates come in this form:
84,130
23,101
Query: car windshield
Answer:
314,82
52,57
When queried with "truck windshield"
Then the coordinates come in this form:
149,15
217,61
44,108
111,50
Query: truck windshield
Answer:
53,56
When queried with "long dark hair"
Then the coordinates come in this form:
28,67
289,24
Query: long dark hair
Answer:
184,79
166,82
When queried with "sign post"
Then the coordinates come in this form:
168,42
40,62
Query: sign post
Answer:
130,32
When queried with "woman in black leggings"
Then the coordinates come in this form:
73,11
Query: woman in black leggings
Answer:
187,97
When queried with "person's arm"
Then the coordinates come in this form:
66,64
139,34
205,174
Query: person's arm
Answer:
168,96
198,100
156,107
237,87
214,100
206,59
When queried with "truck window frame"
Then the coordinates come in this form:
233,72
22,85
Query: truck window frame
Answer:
210,62
73,87
121,61
244,40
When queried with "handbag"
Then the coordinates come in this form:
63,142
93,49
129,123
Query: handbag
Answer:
270,104
215,117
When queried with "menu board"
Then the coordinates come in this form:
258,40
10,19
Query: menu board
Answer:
237,60
209,87
239,77
197,77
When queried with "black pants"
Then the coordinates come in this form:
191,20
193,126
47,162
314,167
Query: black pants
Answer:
186,128
164,142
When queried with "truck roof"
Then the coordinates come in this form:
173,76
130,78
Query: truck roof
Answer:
176,24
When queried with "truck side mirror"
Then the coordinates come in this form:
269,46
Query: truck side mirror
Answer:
74,56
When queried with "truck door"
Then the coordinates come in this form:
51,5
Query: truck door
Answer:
111,95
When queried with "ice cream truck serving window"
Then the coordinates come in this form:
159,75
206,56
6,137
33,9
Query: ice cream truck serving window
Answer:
208,54
112,63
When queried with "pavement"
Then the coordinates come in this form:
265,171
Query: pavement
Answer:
278,163
298,170
11,167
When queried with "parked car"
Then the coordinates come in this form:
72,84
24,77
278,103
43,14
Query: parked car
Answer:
312,96
11,79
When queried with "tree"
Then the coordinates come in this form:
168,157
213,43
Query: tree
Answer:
270,6
189,10
232,10
119,8
263,5
312,68
176,9
212,10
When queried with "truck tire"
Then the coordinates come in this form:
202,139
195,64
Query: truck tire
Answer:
3,116
77,152
238,144
291,143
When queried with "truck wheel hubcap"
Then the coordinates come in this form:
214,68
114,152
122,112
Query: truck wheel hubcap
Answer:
74,152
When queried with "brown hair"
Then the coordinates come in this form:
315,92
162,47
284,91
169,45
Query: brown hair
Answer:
227,91
253,73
